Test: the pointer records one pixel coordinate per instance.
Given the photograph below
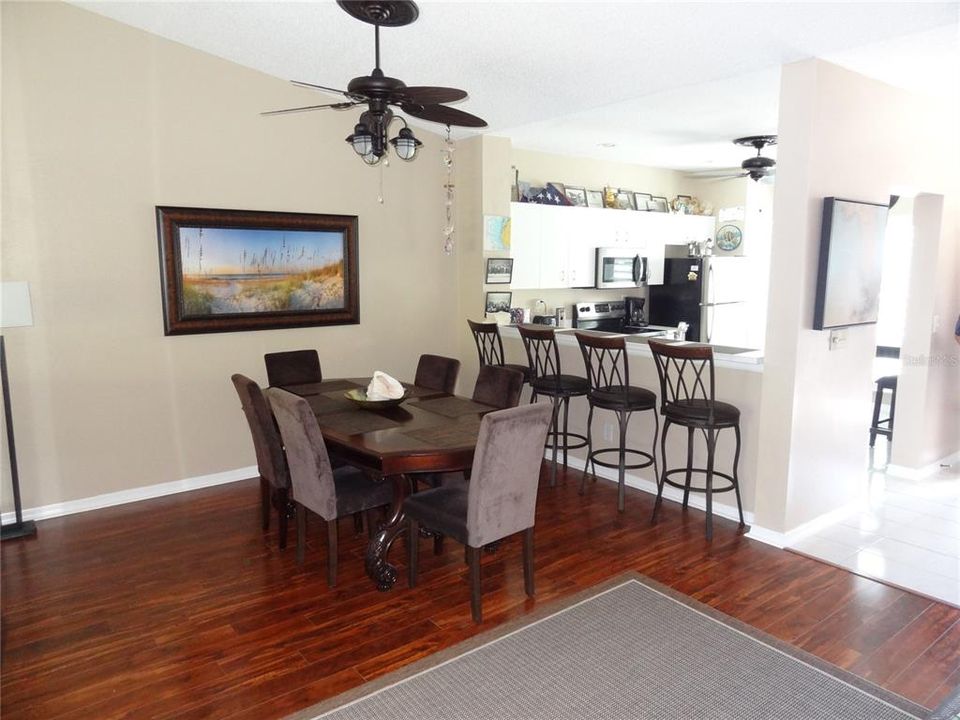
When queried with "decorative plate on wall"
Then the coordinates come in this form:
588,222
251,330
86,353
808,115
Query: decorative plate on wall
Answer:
729,238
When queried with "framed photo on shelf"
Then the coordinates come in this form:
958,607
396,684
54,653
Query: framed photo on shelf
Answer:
233,270
642,200
658,204
577,196
595,198
499,271
498,302
625,200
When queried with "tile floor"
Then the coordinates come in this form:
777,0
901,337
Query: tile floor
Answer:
905,533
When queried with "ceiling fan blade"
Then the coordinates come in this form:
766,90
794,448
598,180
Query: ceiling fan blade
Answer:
313,86
443,115
425,95
307,108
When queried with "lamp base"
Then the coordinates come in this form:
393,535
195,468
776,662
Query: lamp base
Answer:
27,528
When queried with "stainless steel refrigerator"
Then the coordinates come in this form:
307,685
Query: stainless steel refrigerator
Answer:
707,293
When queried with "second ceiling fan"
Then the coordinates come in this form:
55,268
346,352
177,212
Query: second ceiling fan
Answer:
380,92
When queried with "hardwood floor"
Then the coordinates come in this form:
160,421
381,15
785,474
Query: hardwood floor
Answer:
180,607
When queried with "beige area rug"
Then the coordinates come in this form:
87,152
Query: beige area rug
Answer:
630,648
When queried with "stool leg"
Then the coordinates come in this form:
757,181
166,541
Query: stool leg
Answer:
587,463
623,418
736,477
711,445
893,410
556,436
686,489
661,479
877,400
566,439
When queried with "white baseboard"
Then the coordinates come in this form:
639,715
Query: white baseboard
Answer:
122,497
921,473
697,500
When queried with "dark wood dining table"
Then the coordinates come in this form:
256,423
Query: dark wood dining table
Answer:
430,431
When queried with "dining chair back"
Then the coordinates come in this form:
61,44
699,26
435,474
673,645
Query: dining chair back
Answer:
293,367
502,496
436,372
271,461
498,386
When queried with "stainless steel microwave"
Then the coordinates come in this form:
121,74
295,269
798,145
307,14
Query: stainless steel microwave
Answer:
619,267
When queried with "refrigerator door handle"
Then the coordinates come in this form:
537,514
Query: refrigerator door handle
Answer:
728,302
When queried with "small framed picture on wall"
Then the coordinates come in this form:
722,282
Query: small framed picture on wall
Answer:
499,271
498,302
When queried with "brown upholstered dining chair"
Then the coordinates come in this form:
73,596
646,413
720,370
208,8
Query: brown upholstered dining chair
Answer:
437,373
271,462
500,499
490,347
294,367
687,398
315,485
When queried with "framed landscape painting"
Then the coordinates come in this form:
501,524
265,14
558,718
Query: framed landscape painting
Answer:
232,270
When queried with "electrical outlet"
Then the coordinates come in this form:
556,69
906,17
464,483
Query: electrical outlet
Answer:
838,339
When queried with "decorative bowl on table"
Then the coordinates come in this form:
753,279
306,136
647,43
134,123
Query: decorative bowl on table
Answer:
359,397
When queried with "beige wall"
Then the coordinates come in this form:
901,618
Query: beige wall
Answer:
843,135
101,123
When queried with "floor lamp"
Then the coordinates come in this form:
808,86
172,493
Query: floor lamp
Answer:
15,311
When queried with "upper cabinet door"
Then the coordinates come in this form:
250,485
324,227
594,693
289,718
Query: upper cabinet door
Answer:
555,233
582,243
525,245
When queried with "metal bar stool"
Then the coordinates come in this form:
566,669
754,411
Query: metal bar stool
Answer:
888,382
687,401
490,347
608,374
540,342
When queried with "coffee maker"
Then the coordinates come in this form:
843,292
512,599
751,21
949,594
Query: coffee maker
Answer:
634,316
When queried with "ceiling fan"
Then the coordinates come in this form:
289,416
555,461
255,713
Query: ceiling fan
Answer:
756,167
379,92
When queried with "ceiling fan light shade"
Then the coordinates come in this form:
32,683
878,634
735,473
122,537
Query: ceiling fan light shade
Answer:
361,140
405,144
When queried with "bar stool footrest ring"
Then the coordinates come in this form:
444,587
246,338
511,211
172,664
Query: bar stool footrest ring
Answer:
561,445
616,465
703,471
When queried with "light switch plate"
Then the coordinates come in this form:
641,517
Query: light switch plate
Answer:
838,339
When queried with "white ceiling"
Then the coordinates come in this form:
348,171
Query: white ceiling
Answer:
669,83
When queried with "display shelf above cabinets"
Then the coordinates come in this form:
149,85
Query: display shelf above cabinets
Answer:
555,247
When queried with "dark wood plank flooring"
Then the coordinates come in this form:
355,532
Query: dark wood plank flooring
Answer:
180,607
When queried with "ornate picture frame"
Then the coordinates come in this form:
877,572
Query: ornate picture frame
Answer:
236,270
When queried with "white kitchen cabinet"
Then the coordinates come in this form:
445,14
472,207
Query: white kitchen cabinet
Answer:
555,247
525,221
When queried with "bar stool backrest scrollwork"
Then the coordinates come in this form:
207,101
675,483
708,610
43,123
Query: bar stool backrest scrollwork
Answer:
682,383
606,361
543,355
489,343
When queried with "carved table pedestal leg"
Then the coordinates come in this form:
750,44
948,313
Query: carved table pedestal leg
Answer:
380,571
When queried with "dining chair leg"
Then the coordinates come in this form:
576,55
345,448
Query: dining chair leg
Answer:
711,446
281,500
265,502
528,561
736,476
589,461
371,523
438,544
689,475
332,553
661,479
473,559
413,559
301,532
358,522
